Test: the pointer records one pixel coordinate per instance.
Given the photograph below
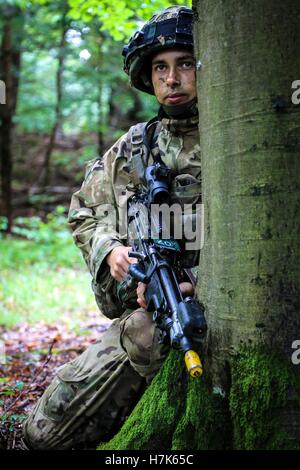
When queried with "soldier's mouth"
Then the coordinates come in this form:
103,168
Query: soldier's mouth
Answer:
175,98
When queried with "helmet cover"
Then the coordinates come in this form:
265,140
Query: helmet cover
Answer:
170,28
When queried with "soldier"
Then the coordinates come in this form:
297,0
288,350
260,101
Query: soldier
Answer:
91,396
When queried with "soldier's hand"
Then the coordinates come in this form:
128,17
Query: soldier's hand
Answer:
118,261
186,289
140,294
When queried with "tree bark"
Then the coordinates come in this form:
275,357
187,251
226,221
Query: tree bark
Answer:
250,142
247,55
100,121
59,97
101,117
10,64
133,113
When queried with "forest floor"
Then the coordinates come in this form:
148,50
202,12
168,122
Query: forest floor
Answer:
31,353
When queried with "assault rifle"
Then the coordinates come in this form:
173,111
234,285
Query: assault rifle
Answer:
160,267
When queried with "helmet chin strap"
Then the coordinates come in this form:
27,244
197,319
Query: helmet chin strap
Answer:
180,111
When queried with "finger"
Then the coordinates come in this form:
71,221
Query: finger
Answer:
122,272
140,290
141,297
141,303
122,265
116,276
118,273
130,259
186,288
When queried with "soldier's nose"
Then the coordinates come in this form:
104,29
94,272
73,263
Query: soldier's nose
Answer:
172,78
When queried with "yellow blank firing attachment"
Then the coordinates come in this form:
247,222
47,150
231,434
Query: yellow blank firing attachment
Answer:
193,363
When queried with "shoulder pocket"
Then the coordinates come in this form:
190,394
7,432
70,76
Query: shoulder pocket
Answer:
186,189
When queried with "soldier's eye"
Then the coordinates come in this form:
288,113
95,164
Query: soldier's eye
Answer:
188,64
159,67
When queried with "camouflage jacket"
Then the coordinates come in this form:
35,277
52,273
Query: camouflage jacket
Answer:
97,209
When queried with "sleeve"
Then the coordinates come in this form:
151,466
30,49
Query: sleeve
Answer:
93,217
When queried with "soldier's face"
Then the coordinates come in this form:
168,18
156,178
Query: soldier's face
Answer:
173,74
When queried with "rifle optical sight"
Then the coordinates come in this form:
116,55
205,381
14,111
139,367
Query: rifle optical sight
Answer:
157,179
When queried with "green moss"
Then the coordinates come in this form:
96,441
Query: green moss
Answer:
175,412
180,413
152,422
263,385
201,427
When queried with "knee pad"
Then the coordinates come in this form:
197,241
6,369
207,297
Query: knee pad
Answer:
140,338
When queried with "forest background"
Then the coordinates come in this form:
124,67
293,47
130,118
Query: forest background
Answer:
67,100
73,100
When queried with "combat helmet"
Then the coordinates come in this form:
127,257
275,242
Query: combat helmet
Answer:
172,27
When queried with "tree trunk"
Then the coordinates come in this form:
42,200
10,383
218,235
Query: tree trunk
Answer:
100,121
10,62
59,96
249,273
250,142
133,114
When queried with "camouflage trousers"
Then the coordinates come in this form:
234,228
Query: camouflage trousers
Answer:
91,396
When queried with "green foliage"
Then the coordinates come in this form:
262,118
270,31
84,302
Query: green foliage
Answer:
13,420
54,230
8,389
94,84
45,242
38,292
3,224
36,102
121,17
43,274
